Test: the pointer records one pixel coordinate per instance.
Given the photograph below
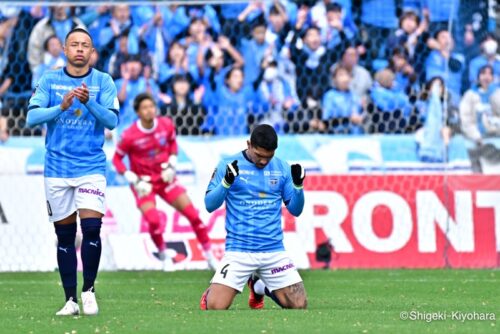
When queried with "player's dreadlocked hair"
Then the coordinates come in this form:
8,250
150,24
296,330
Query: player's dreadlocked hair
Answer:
265,137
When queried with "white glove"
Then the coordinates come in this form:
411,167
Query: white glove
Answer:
142,185
168,169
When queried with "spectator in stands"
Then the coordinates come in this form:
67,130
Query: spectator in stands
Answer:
390,108
440,13
229,105
445,63
208,14
177,63
229,18
335,23
211,61
8,20
132,82
422,105
198,35
59,23
478,118
406,78
412,35
312,61
120,56
361,82
255,48
276,99
278,26
488,56
341,108
120,24
53,58
319,13
186,112
378,22
433,138
5,83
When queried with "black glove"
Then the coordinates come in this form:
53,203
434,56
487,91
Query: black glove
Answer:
232,171
298,175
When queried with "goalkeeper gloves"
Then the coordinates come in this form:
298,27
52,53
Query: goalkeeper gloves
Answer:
298,175
142,185
232,171
168,169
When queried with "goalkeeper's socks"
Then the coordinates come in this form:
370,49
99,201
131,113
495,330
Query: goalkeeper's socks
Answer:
152,216
66,258
271,295
91,250
199,228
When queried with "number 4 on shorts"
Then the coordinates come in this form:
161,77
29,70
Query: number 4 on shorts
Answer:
223,271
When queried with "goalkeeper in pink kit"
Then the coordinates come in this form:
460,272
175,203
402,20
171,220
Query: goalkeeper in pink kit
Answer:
150,143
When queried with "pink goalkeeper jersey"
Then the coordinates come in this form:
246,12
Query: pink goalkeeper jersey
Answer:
147,149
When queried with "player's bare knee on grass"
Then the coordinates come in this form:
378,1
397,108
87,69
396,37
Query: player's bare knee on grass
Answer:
220,297
293,296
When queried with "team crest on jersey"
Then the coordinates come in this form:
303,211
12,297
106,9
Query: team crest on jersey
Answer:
78,112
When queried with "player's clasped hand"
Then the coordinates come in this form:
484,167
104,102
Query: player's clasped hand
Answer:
82,93
67,100
232,171
298,175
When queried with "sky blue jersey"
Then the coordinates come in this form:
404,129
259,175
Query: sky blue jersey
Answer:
75,136
253,203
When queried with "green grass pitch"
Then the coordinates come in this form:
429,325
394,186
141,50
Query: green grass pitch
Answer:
342,301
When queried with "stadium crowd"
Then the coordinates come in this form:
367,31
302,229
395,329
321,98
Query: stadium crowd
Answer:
340,67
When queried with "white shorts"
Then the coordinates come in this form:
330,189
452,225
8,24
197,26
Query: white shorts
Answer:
66,195
275,269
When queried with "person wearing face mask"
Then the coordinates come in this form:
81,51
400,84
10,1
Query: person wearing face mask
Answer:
489,56
275,96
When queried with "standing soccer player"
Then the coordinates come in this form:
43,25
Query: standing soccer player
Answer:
77,102
151,146
254,184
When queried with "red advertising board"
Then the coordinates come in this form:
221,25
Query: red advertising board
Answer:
404,221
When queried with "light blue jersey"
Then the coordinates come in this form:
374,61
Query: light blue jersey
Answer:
75,136
253,203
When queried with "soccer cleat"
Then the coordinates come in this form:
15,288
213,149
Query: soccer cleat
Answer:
212,261
168,263
255,301
203,300
70,308
89,303
160,255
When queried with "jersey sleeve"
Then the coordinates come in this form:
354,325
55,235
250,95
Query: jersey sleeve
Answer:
216,192
41,96
123,146
108,97
217,175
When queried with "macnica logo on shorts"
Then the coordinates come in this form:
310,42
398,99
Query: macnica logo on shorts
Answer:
91,191
282,268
